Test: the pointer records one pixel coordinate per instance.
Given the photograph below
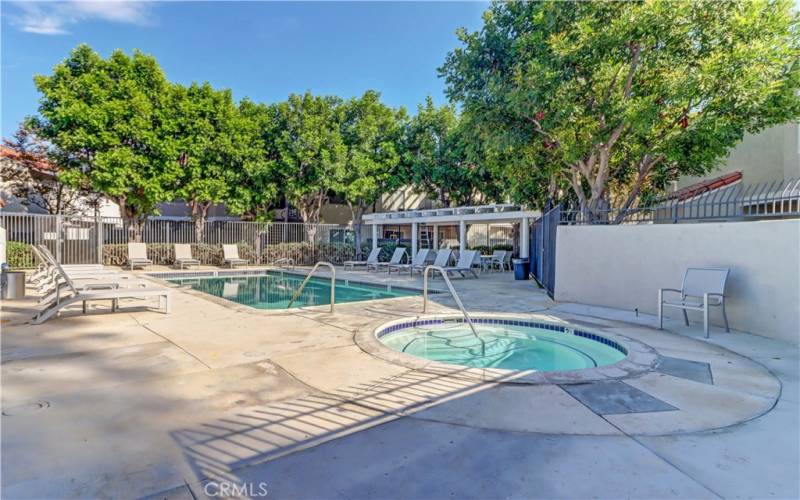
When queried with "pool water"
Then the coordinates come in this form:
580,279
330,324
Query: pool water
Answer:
274,290
511,347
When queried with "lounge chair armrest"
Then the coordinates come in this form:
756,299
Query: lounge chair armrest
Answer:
100,286
674,290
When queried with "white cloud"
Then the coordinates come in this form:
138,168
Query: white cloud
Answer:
54,18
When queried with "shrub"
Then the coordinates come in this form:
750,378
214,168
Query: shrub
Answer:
19,255
164,253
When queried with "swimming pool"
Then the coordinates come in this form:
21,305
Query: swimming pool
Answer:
502,343
274,290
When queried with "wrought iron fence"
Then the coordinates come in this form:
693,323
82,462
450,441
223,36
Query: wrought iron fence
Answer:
779,199
81,240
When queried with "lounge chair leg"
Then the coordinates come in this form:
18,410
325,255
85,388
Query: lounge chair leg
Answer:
725,317
685,317
84,307
705,314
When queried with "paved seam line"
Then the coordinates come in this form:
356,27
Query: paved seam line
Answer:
173,343
656,454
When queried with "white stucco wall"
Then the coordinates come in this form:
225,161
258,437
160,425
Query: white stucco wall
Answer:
623,267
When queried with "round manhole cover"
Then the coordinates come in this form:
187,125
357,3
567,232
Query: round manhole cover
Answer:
26,409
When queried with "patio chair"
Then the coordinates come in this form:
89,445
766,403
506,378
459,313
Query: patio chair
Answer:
49,288
231,256
45,268
183,256
498,260
466,260
701,288
372,258
111,292
137,255
443,257
397,257
419,260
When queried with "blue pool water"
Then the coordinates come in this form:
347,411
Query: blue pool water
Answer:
274,290
512,347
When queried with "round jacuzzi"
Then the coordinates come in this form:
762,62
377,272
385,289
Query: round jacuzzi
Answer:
504,343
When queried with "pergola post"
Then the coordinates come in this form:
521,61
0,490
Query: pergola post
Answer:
436,237
374,236
524,238
414,235
462,235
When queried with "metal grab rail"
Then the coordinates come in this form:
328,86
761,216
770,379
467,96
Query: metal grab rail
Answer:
284,262
303,285
455,297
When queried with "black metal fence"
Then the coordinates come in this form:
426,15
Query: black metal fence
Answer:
543,249
737,202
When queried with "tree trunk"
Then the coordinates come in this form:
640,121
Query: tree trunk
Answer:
199,216
133,221
309,207
357,210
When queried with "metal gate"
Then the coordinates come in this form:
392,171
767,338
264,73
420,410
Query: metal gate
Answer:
543,249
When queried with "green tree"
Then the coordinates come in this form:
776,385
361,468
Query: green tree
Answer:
257,186
442,160
309,151
217,150
616,98
108,117
371,132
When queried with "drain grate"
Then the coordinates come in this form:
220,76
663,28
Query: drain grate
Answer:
26,409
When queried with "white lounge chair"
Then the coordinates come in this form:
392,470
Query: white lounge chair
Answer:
231,255
498,260
137,255
701,288
443,257
397,257
183,256
372,258
466,260
113,294
45,268
419,260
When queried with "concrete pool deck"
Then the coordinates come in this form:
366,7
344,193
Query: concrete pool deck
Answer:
140,403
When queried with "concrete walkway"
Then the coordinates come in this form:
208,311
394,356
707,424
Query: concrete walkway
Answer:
218,396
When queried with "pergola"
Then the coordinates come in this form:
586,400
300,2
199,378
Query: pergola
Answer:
462,216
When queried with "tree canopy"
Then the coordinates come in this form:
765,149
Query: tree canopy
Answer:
108,117
613,99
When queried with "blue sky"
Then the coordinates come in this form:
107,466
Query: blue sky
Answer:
262,50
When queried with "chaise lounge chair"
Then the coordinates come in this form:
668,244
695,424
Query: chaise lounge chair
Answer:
419,260
397,257
231,256
371,259
701,288
443,257
113,294
466,260
137,255
183,256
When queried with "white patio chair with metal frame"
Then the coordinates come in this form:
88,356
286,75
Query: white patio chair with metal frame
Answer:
701,289
137,255
183,256
231,257
371,259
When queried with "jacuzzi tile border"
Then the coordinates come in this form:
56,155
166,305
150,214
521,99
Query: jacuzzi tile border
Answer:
507,322
639,358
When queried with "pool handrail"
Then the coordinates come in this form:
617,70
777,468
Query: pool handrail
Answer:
452,292
308,276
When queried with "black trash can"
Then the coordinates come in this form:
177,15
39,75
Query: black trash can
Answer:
522,268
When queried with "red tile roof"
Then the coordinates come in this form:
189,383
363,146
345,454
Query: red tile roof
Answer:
706,186
34,161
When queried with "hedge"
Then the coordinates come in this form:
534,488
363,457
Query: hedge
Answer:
19,255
